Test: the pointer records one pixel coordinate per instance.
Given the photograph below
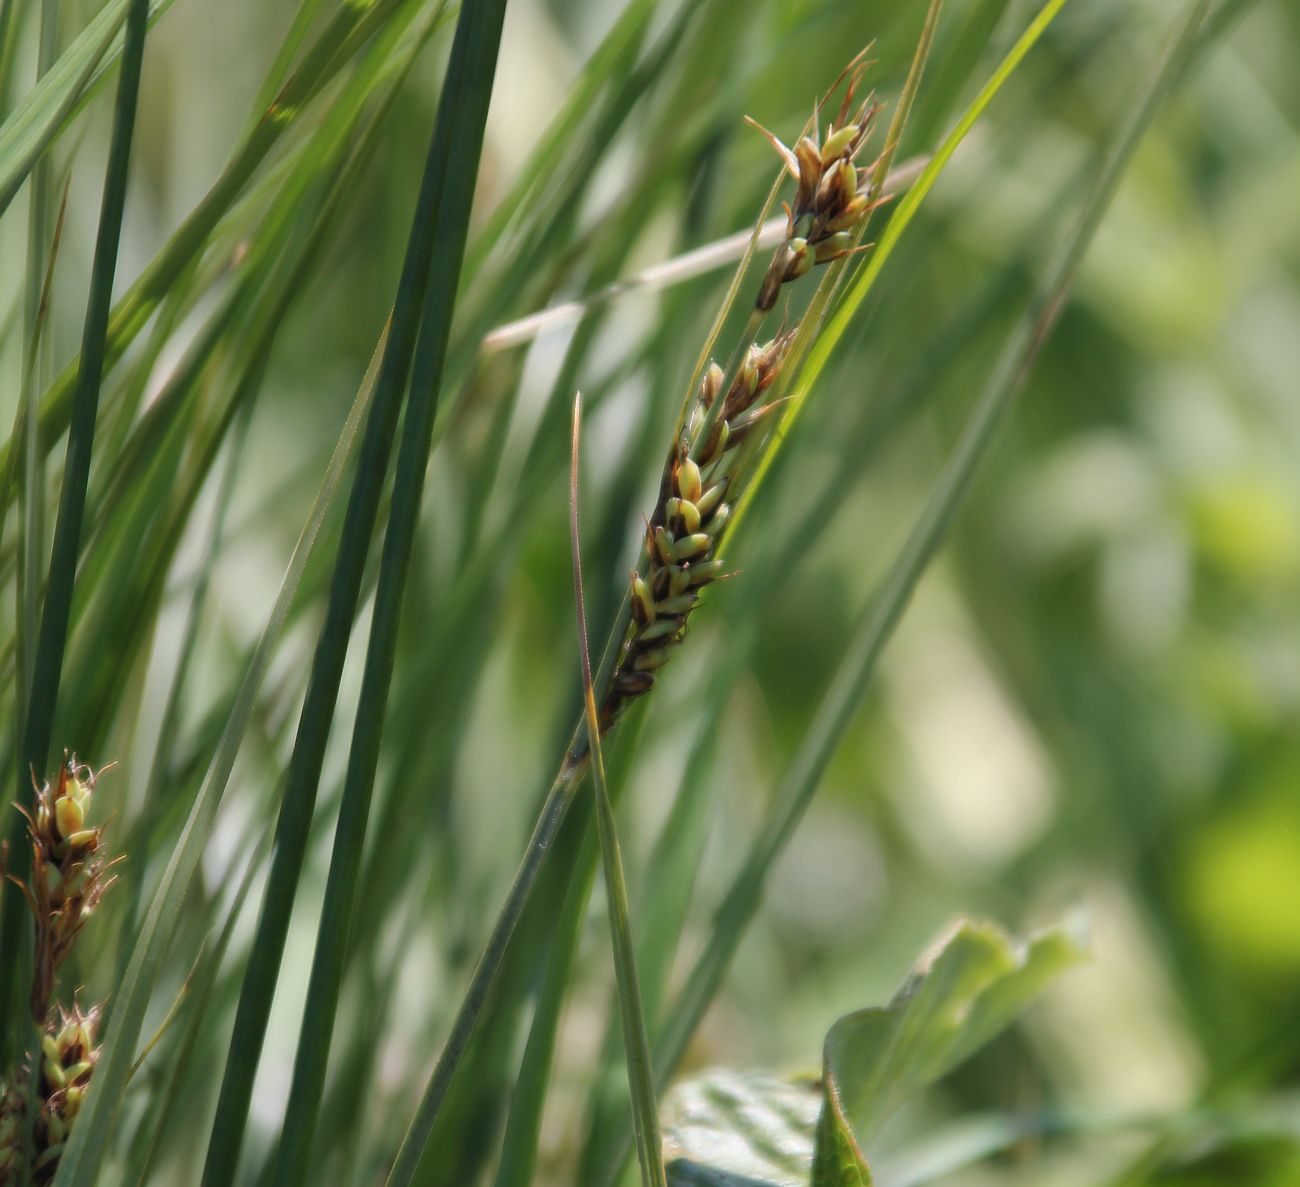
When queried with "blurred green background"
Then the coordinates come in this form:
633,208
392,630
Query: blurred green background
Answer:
1093,704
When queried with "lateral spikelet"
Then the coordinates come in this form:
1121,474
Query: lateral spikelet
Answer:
63,1068
682,535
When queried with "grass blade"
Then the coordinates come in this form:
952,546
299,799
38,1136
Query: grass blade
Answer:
699,261
458,137
614,58
32,542
541,842
350,28
198,1011
539,846
31,522
86,1147
640,1074
278,71
302,780
53,636
38,119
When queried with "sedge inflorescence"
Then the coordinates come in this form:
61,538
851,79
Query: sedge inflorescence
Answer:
682,536
69,875
833,195
62,1068
69,872
832,199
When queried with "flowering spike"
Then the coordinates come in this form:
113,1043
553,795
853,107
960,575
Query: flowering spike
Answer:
643,605
68,873
826,199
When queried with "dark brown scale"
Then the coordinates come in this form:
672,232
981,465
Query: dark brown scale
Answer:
633,683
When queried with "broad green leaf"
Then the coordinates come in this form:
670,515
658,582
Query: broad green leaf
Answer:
740,1129
761,1130
957,999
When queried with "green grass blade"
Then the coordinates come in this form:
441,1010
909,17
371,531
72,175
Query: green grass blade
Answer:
32,541
955,58
39,118
468,617
613,59
278,71
347,32
669,882
302,780
198,1007
520,1141
523,1126
883,612
253,316
640,1072
169,722
29,550
458,137
87,1145
540,843
9,11
567,780
903,109
538,849
52,638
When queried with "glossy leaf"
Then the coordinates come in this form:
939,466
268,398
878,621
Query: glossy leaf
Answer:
741,1130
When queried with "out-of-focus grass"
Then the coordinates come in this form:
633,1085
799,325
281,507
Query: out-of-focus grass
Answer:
1094,698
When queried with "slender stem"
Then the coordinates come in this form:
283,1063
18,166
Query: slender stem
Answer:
554,809
640,1073
33,382
303,778
699,261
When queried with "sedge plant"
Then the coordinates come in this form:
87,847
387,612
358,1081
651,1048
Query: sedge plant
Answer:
363,797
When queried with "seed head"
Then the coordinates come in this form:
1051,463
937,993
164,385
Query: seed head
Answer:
63,1067
683,534
68,876
827,201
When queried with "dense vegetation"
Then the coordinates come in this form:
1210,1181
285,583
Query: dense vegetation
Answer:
975,480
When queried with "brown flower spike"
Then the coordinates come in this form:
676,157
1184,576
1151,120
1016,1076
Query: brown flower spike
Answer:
68,876
828,204
682,535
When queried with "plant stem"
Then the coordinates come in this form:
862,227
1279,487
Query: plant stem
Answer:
640,1074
